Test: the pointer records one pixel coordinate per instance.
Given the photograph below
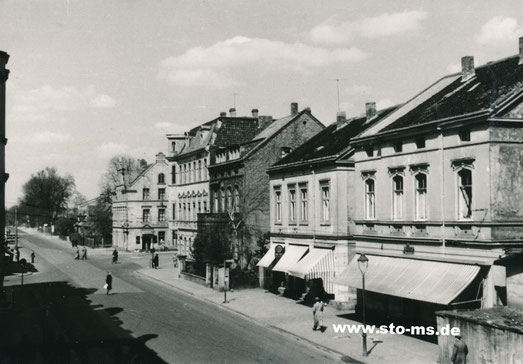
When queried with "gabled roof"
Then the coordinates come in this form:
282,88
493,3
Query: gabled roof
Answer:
492,84
331,142
235,131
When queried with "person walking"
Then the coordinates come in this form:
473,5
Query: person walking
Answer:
77,254
108,282
84,253
460,351
156,261
317,310
33,256
17,254
115,256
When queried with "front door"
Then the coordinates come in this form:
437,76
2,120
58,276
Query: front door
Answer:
146,242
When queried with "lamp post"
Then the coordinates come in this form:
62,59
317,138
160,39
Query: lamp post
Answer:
363,263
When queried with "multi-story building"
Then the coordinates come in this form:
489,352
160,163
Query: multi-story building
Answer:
438,196
239,183
189,158
141,209
311,211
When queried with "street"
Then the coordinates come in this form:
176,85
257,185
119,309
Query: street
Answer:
160,323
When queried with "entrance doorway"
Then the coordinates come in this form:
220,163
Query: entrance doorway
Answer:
148,241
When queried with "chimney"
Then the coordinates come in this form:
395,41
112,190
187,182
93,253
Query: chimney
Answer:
341,118
520,50
223,114
370,110
467,68
232,112
294,108
254,113
308,109
264,121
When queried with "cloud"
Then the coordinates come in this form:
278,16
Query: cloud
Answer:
51,137
163,125
384,103
383,25
45,102
111,149
499,30
103,101
215,66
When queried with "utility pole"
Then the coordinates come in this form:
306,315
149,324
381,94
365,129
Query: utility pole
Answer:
4,75
16,227
338,89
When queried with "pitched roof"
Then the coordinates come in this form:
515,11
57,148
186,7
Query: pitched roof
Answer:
234,131
492,84
332,142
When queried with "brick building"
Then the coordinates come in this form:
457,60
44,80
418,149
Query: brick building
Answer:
311,210
140,208
438,196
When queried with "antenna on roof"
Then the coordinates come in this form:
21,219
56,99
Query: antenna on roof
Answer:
338,88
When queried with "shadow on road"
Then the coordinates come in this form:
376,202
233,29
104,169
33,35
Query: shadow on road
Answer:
56,323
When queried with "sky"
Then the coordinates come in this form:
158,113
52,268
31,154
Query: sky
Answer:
94,78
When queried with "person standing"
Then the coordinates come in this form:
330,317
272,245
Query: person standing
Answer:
84,253
317,310
77,254
33,255
115,256
17,254
460,351
156,261
108,282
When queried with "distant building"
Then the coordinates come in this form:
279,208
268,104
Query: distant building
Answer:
311,211
438,196
141,209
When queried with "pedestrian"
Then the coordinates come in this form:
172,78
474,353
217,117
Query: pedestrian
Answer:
115,256
317,310
77,254
175,261
156,261
84,253
17,254
33,255
108,282
460,351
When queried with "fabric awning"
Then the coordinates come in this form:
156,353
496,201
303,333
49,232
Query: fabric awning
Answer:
318,263
293,253
422,280
268,258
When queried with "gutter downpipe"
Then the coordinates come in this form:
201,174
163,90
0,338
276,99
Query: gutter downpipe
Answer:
313,206
442,188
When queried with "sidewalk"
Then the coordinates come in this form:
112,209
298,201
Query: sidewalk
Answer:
285,315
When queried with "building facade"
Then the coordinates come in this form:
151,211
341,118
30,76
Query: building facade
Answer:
141,209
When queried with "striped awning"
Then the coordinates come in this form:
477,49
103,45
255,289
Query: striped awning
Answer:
318,263
422,280
268,258
293,253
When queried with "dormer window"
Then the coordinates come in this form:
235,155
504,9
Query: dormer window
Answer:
285,151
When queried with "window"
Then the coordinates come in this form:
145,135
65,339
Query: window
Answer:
199,207
174,211
229,198
184,211
161,178
420,142
146,215
161,194
370,202
161,215
137,240
199,170
205,206
195,214
194,171
421,196
236,199
145,194
398,147
325,202
161,237
292,204
216,201
222,200
369,151
397,197
304,204
205,169
180,211
464,135
173,174
173,146
277,204
465,193
285,151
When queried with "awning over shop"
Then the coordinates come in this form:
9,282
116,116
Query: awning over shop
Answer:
293,253
268,258
421,280
318,263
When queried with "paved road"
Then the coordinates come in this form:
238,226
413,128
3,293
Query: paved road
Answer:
175,326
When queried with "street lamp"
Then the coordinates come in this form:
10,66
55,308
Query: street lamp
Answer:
363,263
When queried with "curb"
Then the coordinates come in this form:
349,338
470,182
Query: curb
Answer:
263,324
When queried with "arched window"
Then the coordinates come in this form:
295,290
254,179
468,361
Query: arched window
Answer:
229,198
370,199
161,178
173,172
199,170
236,199
421,196
397,197
222,199
465,193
